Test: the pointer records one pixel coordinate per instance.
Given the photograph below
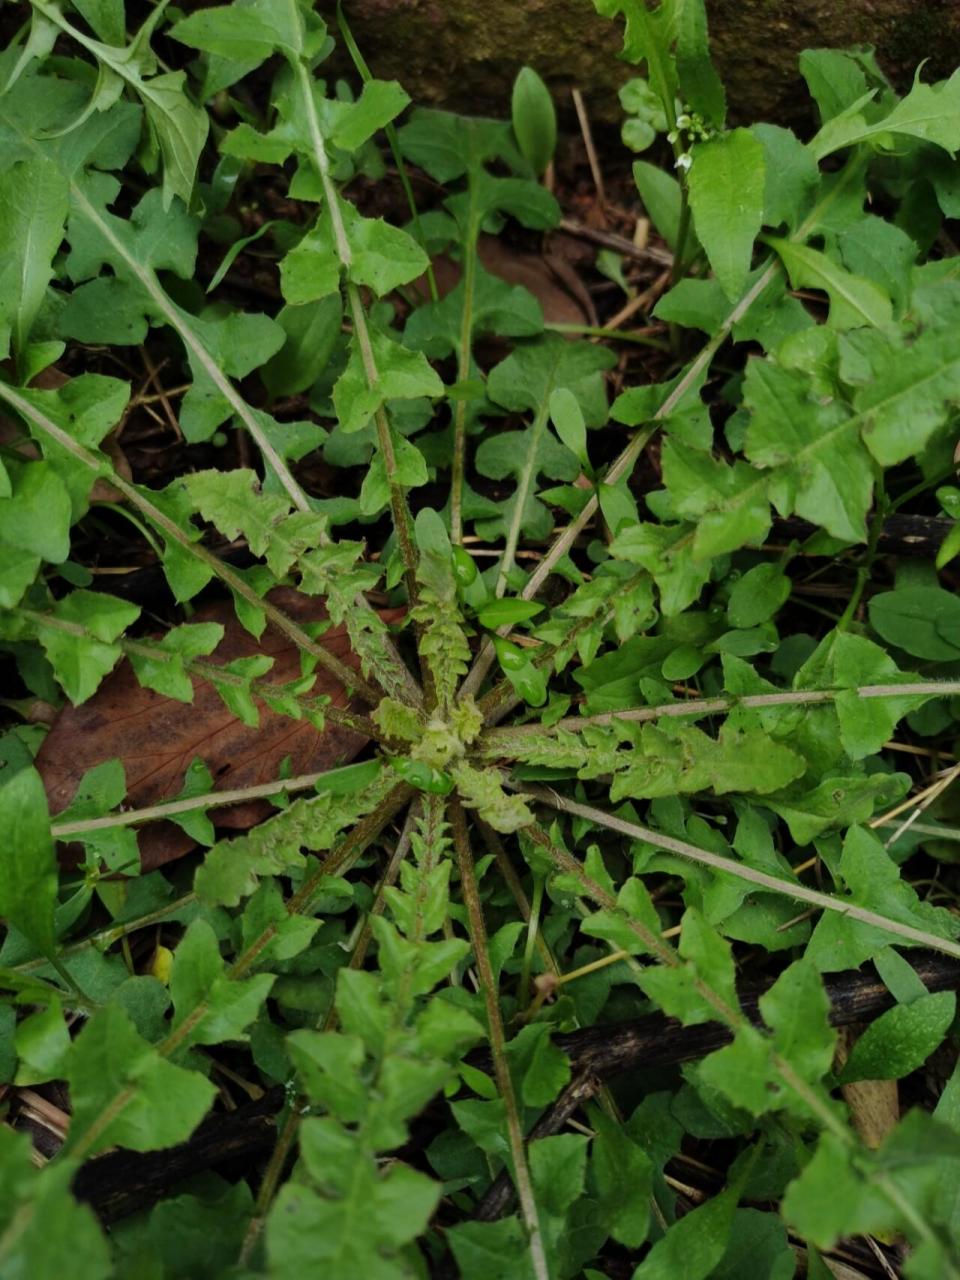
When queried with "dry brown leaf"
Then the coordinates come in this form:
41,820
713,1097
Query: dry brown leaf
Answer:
157,738
554,284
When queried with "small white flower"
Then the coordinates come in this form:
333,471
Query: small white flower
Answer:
683,162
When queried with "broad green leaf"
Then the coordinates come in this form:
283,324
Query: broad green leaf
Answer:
311,270
797,1009
567,417
106,17
694,1245
622,1173
383,257
36,516
80,661
252,32
726,183
901,1039
116,1076
836,80
557,1169
219,1007
32,1200
485,1249
791,175
872,880
380,102
401,375
33,210
758,595
928,113
534,119
166,673
662,199
682,991
540,1068
854,300
28,871
41,1040
819,468
729,504
923,621
312,332
180,127
360,1222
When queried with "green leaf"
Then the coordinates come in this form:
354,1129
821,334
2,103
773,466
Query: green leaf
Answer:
694,1245
557,1168
662,198
622,1173
758,595
486,1249
32,1200
312,332
854,300
106,17
253,32
822,471
726,184
836,80
383,257
873,881
791,175
709,964
401,375
539,1066
567,417
923,621
310,271
380,102
36,517
928,113
42,1040
219,1007
136,1098
81,660
33,210
28,871
499,613
901,1039
534,119
180,127
362,1221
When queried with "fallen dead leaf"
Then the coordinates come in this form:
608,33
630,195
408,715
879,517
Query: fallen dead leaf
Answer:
552,281
156,738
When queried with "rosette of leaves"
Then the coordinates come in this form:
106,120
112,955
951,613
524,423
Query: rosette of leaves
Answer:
391,917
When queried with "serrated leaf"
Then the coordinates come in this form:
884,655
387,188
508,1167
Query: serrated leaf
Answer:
161,1103
380,102
219,1007
401,375
928,113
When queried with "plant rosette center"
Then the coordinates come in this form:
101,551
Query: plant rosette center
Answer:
434,744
